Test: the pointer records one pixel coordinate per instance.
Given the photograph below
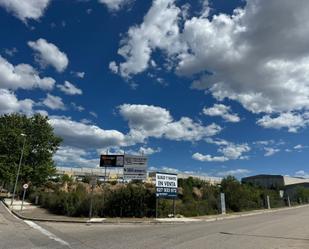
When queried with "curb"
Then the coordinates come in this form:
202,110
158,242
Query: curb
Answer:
231,216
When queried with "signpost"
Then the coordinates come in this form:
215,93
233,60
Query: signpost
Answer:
93,183
25,186
135,167
222,202
166,187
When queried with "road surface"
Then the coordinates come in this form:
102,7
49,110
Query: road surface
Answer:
284,229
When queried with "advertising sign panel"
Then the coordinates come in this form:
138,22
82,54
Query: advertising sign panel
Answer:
111,161
166,185
135,167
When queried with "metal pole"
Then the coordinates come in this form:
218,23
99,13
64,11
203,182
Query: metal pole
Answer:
268,202
22,203
91,200
18,171
222,202
156,207
289,202
174,207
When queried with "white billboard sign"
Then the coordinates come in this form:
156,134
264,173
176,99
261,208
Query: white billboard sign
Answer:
166,185
135,167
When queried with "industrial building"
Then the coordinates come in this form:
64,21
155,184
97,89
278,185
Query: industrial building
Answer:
274,181
116,174
290,185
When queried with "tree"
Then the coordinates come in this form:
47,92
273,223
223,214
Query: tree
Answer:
40,145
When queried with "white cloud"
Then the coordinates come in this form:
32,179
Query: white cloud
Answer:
115,5
302,173
22,76
159,30
77,107
86,136
153,121
229,151
217,141
67,156
289,120
78,74
299,147
234,172
234,151
209,158
93,114
10,104
113,67
69,89
49,54
144,151
29,9
149,150
11,52
53,102
270,151
222,111
250,55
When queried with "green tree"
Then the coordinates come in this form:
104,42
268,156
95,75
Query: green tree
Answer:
40,145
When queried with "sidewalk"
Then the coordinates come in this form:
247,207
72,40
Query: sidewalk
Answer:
36,213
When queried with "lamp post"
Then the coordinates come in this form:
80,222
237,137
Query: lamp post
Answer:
19,165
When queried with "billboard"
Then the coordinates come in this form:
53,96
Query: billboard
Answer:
111,161
166,185
135,167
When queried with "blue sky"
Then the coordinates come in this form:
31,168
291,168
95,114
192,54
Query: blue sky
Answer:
211,87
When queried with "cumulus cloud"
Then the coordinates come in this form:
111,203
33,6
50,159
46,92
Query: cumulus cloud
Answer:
234,172
67,156
246,56
85,136
153,121
22,76
29,9
93,114
302,173
11,51
78,74
53,102
269,151
292,121
300,147
49,54
159,30
69,89
115,5
10,104
222,111
77,107
144,151
208,158
228,151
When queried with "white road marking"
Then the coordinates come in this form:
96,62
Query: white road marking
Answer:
47,233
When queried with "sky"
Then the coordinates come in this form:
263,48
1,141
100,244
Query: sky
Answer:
208,87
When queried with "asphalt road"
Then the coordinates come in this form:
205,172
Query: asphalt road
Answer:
284,229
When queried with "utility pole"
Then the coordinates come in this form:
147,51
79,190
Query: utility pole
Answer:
18,170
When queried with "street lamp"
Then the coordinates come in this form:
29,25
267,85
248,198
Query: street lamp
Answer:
19,165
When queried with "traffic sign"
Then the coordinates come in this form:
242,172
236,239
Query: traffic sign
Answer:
25,186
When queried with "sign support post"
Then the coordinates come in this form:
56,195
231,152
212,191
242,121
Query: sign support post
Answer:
166,187
174,207
268,202
222,202
25,186
157,207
